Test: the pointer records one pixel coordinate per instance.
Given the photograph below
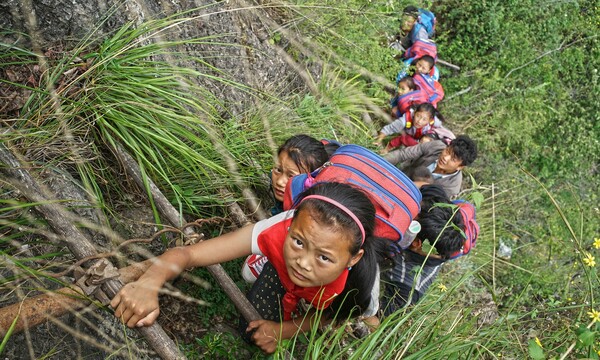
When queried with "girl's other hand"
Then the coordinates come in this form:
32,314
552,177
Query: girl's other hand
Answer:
136,304
266,334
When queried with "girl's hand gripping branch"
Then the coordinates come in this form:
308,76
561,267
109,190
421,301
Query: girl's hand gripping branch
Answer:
266,334
137,303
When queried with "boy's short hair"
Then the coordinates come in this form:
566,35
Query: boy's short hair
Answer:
440,223
465,149
411,10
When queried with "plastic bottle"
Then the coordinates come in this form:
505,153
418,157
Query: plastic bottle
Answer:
410,234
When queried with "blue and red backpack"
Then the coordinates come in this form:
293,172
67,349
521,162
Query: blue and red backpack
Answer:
396,198
471,230
427,20
432,88
404,102
419,49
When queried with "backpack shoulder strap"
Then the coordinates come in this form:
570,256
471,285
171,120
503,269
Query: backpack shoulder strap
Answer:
408,115
295,186
471,228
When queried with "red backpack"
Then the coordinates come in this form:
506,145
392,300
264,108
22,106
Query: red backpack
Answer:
404,102
396,198
432,88
421,48
471,230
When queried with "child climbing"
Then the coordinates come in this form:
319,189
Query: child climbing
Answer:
408,95
298,154
451,230
416,24
426,66
411,126
421,63
322,251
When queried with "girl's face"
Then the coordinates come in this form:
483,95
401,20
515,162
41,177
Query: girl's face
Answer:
283,170
421,119
316,254
422,67
403,89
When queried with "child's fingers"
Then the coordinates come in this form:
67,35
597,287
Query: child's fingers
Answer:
254,325
120,309
149,319
115,301
124,314
132,316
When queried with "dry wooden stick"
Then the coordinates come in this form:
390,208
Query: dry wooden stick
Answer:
62,221
38,309
447,64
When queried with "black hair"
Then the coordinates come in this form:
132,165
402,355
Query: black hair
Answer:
419,173
428,107
330,146
428,59
357,292
305,151
431,135
408,80
465,149
411,10
440,223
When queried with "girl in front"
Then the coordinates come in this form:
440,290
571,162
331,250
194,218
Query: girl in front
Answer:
322,252
411,126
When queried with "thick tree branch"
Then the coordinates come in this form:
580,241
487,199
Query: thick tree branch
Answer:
62,221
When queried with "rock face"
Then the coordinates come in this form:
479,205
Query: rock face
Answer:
240,44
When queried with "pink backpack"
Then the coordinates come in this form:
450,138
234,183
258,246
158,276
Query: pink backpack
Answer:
409,99
432,88
421,48
467,211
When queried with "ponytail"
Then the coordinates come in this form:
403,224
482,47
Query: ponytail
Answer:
439,115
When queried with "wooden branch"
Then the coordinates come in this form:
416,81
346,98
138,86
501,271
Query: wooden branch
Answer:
62,221
447,64
168,211
462,92
38,309
562,46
